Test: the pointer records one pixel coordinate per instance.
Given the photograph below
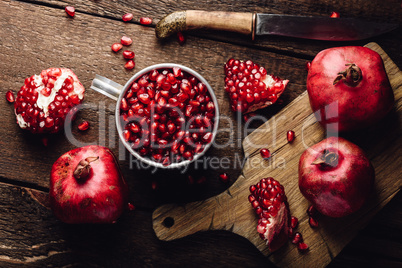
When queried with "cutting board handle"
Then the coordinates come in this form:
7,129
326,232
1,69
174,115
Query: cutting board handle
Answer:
174,221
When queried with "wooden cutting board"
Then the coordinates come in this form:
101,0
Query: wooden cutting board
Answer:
231,210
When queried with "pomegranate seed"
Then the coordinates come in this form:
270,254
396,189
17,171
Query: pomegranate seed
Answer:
290,135
145,21
116,47
313,222
127,17
127,54
190,180
154,185
45,141
130,206
311,211
181,38
129,65
308,65
334,14
224,177
302,246
83,126
10,96
201,180
126,41
70,10
297,238
293,222
265,153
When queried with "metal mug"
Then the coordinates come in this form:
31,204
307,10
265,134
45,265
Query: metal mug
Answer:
116,92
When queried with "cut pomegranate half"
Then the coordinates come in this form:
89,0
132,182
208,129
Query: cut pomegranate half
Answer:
269,201
250,87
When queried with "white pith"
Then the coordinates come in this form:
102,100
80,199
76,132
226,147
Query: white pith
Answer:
21,121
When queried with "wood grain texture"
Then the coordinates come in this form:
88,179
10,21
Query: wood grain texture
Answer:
38,34
231,210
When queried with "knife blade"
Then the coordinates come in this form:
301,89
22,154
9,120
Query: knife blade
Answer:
308,27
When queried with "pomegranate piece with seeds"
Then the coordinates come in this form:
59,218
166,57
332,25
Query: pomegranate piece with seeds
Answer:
70,10
44,100
269,201
10,96
126,41
167,116
250,87
145,20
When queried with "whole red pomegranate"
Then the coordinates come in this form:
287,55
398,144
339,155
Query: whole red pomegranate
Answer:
349,88
86,186
335,176
44,100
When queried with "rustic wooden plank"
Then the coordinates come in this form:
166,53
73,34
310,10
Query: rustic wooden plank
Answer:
82,45
31,236
373,10
231,211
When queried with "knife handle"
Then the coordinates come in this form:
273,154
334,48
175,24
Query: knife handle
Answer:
178,21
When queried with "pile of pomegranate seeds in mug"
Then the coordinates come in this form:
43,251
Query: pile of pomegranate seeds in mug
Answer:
167,116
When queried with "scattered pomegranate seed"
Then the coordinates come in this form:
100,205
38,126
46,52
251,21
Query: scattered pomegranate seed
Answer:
154,185
190,180
130,206
313,222
224,177
145,21
126,41
181,38
293,222
127,54
10,96
311,211
307,66
291,232
302,246
83,126
335,15
70,10
45,141
265,153
297,238
290,135
127,17
116,47
129,65
201,180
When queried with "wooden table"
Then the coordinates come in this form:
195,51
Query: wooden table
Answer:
36,35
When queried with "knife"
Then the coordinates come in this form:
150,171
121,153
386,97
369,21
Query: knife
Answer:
309,27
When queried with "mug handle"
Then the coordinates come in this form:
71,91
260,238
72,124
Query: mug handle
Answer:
107,87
